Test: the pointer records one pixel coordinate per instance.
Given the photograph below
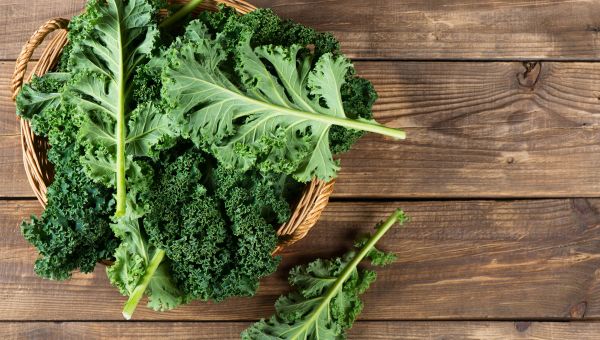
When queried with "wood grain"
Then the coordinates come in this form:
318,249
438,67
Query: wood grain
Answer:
361,330
432,29
454,29
480,130
475,129
19,19
518,260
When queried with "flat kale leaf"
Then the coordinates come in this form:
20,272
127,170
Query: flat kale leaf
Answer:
275,114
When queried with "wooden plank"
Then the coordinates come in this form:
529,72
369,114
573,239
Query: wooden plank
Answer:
458,260
452,29
362,330
14,181
480,130
475,129
19,19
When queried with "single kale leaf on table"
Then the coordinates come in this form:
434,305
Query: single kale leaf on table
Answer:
326,301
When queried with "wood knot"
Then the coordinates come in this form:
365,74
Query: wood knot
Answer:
578,310
531,75
510,160
592,28
522,326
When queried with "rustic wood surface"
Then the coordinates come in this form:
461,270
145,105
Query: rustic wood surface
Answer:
499,174
394,29
475,129
538,257
363,331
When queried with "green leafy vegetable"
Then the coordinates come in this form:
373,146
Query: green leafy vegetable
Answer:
279,120
104,64
115,132
73,232
177,154
139,269
327,299
216,225
358,94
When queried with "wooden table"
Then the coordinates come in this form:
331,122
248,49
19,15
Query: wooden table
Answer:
500,173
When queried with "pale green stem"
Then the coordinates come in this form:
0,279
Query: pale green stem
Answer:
327,119
121,133
138,292
185,10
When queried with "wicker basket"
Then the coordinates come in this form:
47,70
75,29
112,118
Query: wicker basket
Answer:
40,171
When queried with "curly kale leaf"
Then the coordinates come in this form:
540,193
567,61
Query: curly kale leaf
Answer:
118,132
217,226
73,232
104,62
279,120
42,93
326,301
139,268
267,28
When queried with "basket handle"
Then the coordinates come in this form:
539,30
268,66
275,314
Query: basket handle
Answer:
36,39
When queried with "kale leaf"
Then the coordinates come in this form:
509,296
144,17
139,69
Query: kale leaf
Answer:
358,94
73,232
116,38
104,63
278,119
326,301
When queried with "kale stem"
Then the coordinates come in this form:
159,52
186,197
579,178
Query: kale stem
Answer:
398,215
185,10
138,292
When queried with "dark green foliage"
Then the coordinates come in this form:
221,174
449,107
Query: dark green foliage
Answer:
217,226
74,231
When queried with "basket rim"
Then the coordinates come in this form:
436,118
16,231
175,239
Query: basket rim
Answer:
305,214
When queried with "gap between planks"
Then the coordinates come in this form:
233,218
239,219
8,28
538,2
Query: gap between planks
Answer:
361,330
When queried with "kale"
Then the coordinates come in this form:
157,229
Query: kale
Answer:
185,203
358,94
327,297
276,117
216,225
73,232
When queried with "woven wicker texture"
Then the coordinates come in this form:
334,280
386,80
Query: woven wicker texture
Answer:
40,172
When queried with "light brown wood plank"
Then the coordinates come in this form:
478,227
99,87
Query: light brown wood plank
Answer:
518,260
453,29
362,330
19,19
13,180
475,129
